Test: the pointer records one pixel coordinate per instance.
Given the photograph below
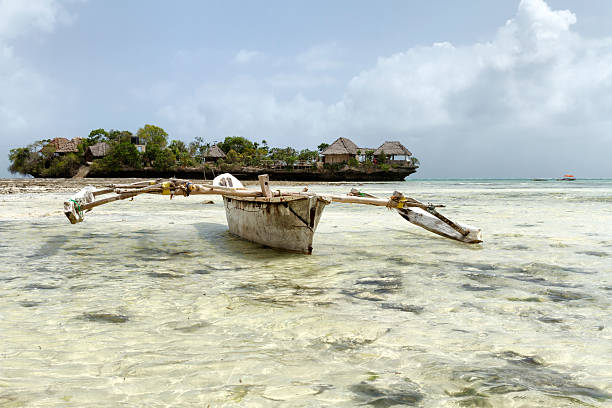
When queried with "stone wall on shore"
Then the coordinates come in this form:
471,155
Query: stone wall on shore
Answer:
251,173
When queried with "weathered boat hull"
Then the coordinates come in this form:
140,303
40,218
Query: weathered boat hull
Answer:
281,222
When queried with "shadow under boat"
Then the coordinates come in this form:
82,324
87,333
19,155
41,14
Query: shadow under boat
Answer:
223,241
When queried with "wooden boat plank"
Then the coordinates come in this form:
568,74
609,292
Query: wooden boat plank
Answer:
288,224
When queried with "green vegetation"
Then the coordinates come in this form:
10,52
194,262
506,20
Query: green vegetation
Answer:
150,148
39,160
151,134
96,135
122,154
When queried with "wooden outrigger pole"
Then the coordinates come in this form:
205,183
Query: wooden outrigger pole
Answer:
278,219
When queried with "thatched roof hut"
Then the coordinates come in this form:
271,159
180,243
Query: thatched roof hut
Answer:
63,145
392,149
342,145
97,151
340,151
214,153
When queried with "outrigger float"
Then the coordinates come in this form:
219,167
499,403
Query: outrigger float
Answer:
284,220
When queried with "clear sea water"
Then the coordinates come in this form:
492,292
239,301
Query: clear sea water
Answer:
153,303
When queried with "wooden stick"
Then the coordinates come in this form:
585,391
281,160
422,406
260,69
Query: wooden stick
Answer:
357,193
183,181
140,190
379,202
194,189
103,191
239,192
137,184
121,195
93,204
264,182
218,188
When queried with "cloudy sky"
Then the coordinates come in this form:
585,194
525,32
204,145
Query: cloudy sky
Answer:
476,88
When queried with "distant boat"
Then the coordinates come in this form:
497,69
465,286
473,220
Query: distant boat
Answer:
566,177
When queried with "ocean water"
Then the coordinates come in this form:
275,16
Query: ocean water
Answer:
152,302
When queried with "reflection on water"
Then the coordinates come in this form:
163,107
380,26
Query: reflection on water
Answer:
153,302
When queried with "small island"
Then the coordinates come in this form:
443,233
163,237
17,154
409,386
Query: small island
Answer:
148,153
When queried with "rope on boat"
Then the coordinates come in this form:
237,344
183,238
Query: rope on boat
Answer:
166,188
78,207
297,215
399,201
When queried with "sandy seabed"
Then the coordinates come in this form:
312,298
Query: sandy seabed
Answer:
152,302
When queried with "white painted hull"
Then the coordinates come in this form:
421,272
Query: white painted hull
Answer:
282,222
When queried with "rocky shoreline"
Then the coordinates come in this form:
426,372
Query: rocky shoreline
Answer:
345,173
280,177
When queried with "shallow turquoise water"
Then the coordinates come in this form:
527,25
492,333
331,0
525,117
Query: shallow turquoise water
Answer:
154,303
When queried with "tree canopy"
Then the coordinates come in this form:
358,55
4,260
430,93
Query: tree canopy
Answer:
152,134
118,136
96,136
237,143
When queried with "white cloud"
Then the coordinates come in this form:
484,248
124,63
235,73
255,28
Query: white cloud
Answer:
246,56
299,80
19,17
242,108
533,73
25,94
535,84
322,57
22,88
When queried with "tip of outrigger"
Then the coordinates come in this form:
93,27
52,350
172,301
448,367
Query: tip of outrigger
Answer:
72,206
71,213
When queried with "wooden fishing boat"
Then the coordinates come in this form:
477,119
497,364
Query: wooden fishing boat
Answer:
279,222
284,220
